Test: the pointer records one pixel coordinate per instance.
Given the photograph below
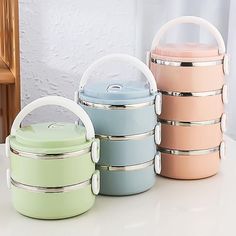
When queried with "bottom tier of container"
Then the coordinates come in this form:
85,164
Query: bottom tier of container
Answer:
61,205
126,182
190,167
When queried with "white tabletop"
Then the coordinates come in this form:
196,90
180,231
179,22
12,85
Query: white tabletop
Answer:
172,208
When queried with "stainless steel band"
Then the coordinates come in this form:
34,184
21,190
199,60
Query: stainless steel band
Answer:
189,123
186,63
43,156
115,107
125,168
189,152
62,189
191,94
124,137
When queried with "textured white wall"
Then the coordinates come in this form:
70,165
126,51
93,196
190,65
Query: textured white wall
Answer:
59,39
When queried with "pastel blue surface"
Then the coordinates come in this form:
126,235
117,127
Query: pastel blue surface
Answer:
123,153
121,183
115,92
122,122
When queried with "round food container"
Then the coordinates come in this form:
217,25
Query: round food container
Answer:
189,67
52,173
124,115
192,135
186,106
191,164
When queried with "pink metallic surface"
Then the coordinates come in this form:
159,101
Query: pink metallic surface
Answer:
191,138
190,167
192,108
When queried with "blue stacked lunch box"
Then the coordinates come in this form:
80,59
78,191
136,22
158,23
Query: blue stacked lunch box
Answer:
124,115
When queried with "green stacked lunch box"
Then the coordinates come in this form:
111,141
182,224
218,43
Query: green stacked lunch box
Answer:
52,174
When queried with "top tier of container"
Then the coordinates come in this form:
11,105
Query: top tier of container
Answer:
120,107
51,138
188,67
118,92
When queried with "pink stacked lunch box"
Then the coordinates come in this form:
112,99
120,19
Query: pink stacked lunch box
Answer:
191,79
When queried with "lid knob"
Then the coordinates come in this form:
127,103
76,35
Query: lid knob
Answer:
114,87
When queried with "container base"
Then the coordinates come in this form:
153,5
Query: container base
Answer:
52,206
125,183
190,167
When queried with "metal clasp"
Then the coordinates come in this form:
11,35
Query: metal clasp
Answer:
76,96
225,94
226,64
96,182
158,103
7,146
222,150
157,133
8,176
148,57
95,151
223,125
157,163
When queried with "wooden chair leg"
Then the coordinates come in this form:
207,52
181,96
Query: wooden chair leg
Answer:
9,65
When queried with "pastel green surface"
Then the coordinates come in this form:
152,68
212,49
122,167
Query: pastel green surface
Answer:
50,138
51,173
52,205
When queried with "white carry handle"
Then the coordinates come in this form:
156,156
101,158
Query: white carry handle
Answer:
190,20
57,101
120,57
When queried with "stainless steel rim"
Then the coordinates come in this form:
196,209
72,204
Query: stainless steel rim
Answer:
43,156
191,94
186,63
125,137
189,152
189,123
62,189
126,168
115,107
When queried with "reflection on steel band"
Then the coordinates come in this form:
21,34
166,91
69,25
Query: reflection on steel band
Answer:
115,107
189,152
191,94
189,123
61,189
125,137
125,168
45,156
186,63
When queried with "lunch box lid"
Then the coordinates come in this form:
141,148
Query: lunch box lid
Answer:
118,93
187,50
50,138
